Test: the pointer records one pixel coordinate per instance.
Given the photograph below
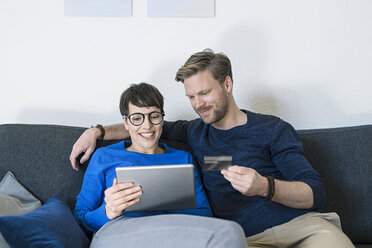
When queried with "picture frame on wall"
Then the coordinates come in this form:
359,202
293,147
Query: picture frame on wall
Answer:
181,8
98,7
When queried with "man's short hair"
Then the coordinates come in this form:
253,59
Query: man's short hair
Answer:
141,95
218,64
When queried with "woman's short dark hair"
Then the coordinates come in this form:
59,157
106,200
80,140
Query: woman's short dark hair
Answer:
141,95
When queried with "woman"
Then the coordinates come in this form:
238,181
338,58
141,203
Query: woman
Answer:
101,198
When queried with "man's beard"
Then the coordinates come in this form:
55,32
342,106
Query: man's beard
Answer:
219,112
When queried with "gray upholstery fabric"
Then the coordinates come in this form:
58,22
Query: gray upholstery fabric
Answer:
38,155
343,158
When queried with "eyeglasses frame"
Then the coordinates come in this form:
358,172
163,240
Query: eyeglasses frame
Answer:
144,116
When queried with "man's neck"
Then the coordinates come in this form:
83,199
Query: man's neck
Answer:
233,118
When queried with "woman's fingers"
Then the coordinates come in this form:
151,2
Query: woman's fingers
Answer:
122,195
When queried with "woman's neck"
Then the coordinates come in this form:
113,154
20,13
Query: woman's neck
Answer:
153,150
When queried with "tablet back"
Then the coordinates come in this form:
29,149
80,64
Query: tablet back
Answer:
165,187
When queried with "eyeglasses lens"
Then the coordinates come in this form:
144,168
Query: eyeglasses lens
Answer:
155,118
136,119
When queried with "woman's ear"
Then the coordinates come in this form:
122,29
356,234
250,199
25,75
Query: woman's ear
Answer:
125,123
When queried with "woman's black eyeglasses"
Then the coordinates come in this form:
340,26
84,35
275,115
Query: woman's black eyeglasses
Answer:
138,118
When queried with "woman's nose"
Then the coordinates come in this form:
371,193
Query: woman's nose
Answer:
146,122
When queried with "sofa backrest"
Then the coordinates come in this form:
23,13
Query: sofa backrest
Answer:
38,155
343,158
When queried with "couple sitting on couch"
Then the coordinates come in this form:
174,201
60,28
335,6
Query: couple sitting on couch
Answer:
271,190
102,198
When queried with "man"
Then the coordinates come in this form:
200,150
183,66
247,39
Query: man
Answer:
271,190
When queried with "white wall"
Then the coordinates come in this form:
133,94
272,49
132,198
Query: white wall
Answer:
309,62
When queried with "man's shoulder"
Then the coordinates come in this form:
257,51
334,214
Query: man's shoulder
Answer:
263,118
196,123
186,125
185,122
265,122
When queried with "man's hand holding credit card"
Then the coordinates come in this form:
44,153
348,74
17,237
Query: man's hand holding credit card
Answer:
217,163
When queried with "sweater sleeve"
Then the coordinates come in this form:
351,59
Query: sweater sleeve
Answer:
175,131
288,156
90,208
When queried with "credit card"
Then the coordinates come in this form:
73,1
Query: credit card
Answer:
216,163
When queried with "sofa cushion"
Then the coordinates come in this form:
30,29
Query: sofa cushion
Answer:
14,200
51,225
10,205
343,158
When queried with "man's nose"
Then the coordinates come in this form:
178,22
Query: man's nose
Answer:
198,102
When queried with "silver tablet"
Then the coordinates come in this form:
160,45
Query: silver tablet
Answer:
165,187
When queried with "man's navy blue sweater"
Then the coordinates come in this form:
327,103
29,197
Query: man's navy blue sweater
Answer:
265,143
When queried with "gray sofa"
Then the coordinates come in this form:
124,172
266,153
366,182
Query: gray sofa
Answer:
38,155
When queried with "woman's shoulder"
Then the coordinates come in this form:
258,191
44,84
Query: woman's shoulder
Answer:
109,150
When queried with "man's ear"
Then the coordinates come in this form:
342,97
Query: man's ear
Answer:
228,84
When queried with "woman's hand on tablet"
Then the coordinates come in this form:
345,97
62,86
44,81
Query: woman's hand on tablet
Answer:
120,196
